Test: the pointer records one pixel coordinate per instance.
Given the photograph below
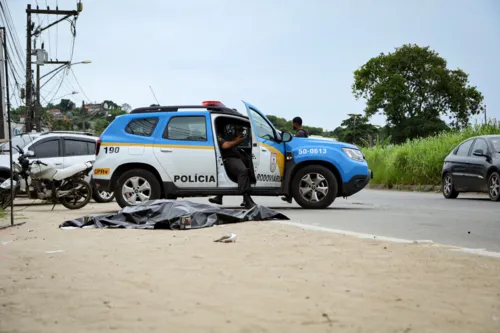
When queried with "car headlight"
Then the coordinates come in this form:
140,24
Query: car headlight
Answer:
354,154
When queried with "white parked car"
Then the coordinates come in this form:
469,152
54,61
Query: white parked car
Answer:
62,149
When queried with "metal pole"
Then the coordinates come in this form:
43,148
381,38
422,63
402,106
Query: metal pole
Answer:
83,115
38,104
29,119
485,119
4,42
3,117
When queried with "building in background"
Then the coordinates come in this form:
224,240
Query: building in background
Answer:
93,108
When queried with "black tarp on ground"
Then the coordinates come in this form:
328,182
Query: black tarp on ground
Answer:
173,214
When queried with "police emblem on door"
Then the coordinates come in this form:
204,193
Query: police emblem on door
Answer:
273,163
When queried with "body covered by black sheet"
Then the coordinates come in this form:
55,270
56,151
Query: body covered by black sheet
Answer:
173,214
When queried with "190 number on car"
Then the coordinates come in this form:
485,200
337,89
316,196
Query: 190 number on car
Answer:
311,151
111,150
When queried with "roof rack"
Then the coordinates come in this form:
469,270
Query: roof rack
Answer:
175,108
67,132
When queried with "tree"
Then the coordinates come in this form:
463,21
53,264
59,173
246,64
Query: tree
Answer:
414,82
111,105
100,125
66,105
356,129
126,107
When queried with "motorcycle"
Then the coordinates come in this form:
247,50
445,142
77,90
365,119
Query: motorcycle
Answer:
48,183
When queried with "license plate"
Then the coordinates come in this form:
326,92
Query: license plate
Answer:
101,171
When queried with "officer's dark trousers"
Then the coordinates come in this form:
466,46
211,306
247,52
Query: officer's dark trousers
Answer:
240,170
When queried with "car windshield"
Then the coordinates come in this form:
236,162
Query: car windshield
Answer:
496,143
18,140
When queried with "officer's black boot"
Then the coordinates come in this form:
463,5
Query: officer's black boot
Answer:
216,200
249,203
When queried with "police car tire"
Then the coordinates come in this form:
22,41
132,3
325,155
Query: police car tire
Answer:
155,186
332,187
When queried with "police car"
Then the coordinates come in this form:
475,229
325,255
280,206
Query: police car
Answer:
171,151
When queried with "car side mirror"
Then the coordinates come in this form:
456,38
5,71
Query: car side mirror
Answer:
286,136
29,153
479,152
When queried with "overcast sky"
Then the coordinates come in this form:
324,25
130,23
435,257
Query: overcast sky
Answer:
287,57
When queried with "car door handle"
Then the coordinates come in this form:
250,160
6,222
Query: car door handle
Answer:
264,150
57,163
165,150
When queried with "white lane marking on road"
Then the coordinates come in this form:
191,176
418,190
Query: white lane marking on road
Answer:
345,232
481,252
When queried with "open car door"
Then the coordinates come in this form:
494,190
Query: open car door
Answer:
267,149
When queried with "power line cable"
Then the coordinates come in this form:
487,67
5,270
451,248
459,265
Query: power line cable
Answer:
81,89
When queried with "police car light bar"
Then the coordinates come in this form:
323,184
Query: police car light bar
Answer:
212,103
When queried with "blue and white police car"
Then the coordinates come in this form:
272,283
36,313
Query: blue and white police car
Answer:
171,151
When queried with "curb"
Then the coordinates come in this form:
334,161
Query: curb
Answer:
411,188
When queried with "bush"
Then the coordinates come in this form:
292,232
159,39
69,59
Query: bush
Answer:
419,162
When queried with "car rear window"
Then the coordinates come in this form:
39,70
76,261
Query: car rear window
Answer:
142,127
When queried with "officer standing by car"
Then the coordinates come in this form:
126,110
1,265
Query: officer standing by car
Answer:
297,127
237,164
300,132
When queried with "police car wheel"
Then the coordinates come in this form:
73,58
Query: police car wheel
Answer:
136,186
314,187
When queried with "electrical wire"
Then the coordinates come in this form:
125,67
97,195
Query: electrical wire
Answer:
10,23
59,87
12,42
81,89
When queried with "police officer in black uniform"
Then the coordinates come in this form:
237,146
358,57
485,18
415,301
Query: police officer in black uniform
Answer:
237,164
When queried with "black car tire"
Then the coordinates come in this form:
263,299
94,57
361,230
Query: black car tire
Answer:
494,186
447,187
99,198
331,182
154,192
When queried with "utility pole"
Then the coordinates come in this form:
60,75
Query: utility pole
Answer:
485,119
29,112
83,115
30,115
38,106
4,126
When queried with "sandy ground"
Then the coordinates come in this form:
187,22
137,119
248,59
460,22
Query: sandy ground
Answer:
273,279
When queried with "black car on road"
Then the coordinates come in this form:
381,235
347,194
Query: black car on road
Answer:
473,166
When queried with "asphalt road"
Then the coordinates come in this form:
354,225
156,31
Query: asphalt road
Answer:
471,221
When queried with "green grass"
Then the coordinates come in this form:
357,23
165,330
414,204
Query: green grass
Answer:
419,162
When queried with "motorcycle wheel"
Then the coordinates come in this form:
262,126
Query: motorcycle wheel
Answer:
82,191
